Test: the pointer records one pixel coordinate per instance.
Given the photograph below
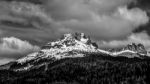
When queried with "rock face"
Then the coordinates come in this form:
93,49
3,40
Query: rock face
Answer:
139,48
71,40
131,50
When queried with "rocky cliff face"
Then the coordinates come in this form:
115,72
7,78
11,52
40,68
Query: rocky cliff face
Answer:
131,50
71,40
139,48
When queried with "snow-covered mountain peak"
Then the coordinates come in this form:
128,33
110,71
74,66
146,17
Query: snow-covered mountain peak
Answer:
70,45
68,40
77,36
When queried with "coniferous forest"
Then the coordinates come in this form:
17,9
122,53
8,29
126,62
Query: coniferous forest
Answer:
93,69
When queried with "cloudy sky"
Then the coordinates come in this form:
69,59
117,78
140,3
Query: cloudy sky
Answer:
25,26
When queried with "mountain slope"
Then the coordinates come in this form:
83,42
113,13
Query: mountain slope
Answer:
75,59
69,46
73,46
61,48
92,69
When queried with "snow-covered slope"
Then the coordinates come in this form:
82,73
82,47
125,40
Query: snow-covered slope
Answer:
70,45
78,45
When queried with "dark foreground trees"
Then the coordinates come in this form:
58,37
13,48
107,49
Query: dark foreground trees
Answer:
94,69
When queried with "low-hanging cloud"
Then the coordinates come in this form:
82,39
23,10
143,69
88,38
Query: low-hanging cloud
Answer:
5,60
142,37
11,47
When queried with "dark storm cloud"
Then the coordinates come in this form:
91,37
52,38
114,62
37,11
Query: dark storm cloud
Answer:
62,16
98,16
88,16
33,22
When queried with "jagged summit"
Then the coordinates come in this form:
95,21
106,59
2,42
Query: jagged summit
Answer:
77,36
131,50
136,47
71,40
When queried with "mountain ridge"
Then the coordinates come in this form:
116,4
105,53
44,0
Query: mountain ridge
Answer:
74,46
71,60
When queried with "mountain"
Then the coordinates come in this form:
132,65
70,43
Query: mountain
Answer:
69,46
132,47
139,48
73,46
77,45
131,50
76,59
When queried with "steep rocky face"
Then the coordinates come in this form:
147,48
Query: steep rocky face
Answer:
131,50
71,40
139,48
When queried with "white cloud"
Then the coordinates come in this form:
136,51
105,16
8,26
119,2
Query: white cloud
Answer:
6,60
134,38
135,15
11,47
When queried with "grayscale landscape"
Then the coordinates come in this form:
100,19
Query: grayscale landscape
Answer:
74,42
